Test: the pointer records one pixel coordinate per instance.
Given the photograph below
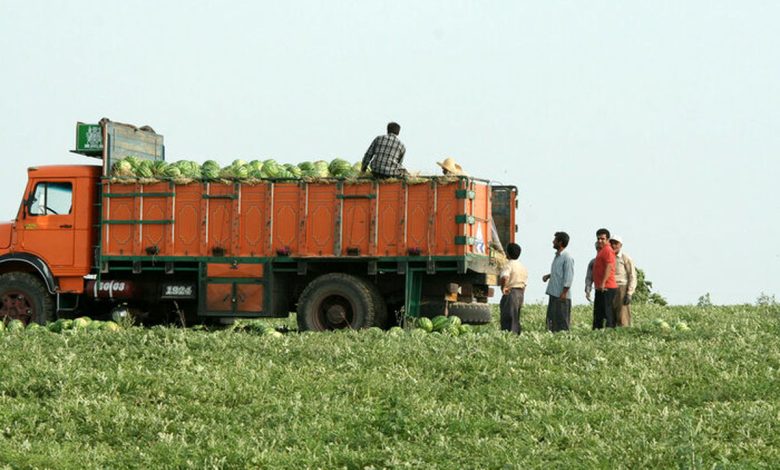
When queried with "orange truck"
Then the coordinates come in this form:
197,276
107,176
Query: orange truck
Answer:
341,253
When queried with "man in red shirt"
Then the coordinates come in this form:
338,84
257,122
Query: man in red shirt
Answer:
604,280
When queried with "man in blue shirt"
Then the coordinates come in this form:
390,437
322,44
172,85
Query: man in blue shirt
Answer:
560,277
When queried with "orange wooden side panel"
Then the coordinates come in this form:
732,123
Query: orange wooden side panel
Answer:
419,236
286,217
356,226
321,212
448,206
220,213
480,208
189,225
375,218
242,270
390,219
254,220
154,238
118,239
249,298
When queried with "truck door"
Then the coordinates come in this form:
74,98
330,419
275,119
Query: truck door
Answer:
48,221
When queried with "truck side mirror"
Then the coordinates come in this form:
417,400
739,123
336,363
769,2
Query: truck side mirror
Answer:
28,206
25,208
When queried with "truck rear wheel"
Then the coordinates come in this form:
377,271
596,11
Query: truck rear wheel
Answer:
24,297
474,313
337,301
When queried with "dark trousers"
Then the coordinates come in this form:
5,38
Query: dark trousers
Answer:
558,314
603,313
510,306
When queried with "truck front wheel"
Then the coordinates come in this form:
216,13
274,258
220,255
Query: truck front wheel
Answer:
337,301
24,297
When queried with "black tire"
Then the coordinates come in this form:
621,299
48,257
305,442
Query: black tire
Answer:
381,317
24,297
474,313
337,301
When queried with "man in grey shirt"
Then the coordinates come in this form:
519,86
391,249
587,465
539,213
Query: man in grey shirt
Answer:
589,277
560,277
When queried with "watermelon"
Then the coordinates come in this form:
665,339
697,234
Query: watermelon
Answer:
425,323
123,167
15,325
34,326
455,321
465,330
210,170
271,169
451,330
159,169
111,326
2,326
418,332
172,171
681,326
395,331
81,323
440,322
320,169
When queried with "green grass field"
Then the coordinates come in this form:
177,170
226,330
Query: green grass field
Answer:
173,398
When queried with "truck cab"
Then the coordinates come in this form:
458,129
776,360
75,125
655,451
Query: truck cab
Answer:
49,247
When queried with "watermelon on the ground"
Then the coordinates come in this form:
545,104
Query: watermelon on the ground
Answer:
81,323
418,332
111,326
395,331
465,330
440,322
425,323
15,325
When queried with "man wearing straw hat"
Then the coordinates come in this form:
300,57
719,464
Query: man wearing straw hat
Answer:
451,168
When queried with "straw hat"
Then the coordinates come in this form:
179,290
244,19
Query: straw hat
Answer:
451,166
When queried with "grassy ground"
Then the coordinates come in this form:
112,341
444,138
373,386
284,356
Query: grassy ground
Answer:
634,397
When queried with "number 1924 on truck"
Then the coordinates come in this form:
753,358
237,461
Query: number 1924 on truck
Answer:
341,253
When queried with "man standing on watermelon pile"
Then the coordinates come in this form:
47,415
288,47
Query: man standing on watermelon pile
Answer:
385,155
513,280
560,277
604,279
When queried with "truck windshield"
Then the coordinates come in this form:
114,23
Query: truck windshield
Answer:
51,198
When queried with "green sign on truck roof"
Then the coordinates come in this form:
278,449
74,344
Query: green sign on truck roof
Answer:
89,139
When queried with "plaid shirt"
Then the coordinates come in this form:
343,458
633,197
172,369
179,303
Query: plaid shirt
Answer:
385,156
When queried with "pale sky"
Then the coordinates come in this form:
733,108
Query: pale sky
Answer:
656,119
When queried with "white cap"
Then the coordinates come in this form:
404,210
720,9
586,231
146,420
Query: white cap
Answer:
616,238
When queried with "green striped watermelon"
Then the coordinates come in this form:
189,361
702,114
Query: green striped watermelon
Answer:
425,323
440,322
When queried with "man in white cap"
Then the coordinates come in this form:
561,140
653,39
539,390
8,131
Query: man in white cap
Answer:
450,167
625,276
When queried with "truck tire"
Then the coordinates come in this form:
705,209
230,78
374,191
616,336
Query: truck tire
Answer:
24,297
381,316
337,301
474,313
